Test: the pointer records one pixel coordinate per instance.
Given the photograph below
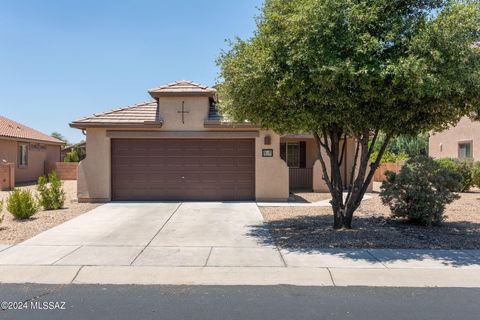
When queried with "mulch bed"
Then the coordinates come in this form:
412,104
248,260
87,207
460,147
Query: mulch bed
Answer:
311,227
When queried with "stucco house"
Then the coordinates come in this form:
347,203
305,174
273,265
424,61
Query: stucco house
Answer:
461,141
26,148
178,147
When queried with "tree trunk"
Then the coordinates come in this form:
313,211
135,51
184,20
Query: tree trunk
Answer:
330,141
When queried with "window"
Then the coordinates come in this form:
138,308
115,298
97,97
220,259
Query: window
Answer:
465,150
22,155
294,154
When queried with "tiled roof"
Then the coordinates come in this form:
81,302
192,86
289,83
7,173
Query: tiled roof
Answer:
182,87
12,129
135,114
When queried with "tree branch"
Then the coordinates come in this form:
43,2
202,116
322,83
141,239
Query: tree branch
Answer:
343,150
322,161
352,173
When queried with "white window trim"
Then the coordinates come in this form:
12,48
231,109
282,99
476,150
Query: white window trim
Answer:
20,145
286,153
465,142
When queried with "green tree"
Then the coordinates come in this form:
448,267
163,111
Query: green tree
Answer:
354,68
59,136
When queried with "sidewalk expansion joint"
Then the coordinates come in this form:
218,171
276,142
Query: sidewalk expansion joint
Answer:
331,277
208,258
76,274
53,263
374,257
156,234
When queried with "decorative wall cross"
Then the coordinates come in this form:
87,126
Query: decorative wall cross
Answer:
183,112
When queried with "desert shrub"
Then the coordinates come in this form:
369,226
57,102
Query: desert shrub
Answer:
22,204
462,167
51,193
476,174
71,156
420,191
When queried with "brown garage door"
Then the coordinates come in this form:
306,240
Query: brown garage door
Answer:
183,169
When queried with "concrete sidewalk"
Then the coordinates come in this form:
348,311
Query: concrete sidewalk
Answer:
328,267
136,275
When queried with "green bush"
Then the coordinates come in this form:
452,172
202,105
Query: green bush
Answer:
389,157
21,204
476,174
420,191
462,167
51,193
72,156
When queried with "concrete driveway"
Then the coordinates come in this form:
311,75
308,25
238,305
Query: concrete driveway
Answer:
152,234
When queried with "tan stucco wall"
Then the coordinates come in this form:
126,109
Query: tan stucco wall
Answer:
194,120
319,184
271,173
93,177
36,159
445,144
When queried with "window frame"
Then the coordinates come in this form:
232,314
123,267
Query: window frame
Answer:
296,143
20,158
465,142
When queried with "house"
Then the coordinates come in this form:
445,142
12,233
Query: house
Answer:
27,149
178,147
461,141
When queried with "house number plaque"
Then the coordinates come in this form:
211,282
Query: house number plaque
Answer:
267,152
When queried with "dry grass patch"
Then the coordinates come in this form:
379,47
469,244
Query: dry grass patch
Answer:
14,231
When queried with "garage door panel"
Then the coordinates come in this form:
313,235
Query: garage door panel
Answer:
183,169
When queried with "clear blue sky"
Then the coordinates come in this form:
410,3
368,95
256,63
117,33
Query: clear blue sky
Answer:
61,60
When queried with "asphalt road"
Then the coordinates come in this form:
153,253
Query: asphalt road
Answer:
245,302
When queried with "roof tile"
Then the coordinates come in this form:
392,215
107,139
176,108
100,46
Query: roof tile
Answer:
12,129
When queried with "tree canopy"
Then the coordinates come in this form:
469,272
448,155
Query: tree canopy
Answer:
338,68
59,136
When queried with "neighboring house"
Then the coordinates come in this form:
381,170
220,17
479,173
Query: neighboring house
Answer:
461,141
27,148
81,149
178,147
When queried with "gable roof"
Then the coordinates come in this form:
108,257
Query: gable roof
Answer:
15,130
134,115
182,88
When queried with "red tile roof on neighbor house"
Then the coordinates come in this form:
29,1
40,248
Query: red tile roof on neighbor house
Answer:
12,129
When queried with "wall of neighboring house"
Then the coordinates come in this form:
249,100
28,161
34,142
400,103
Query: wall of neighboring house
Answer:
38,153
446,144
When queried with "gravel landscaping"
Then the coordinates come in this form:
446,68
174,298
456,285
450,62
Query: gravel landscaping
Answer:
310,228
14,231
